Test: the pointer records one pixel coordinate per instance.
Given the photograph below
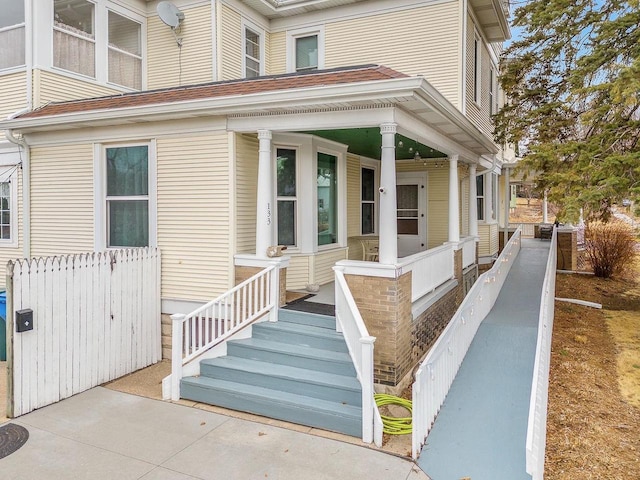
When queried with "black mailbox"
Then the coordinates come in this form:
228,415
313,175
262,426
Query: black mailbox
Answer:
24,320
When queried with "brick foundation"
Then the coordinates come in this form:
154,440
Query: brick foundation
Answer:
166,329
567,250
243,273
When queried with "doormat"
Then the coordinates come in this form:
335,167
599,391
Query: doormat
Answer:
12,437
311,307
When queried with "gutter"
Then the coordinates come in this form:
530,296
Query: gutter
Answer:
26,185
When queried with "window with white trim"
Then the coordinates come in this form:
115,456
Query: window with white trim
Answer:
477,76
253,52
367,201
125,51
12,34
327,193
127,196
74,41
9,206
494,196
480,196
286,191
305,50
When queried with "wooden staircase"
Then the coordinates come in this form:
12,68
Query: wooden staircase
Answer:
297,369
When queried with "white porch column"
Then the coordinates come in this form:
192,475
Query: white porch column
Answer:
545,210
473,201
265,208
454,202
388,244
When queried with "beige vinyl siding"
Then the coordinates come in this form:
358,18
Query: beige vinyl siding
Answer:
353,206
419,41
62,200
298,272
278,53
464,205
231,48
193,216
478,114
323,264
54,87
195,58
13,93
245,191
267,53
488,233
11,253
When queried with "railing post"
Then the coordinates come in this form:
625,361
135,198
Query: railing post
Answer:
367,388
274,291
338,297
176,354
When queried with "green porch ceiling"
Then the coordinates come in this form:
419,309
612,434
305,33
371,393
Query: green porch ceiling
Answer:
367,142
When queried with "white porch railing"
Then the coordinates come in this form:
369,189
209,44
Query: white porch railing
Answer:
468,251
439,368
216,321
430,269
360,344
528,229
537,427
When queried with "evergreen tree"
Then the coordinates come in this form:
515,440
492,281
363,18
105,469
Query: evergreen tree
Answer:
572,83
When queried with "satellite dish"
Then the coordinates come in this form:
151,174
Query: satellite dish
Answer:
170,14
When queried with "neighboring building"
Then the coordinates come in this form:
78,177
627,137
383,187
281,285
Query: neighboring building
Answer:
363,118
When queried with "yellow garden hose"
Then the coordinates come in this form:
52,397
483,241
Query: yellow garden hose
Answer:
394,425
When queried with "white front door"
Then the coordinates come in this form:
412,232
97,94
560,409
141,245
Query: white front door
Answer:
411,191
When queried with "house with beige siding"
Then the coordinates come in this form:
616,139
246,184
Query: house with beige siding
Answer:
357,134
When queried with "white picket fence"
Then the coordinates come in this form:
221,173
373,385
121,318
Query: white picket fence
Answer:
439,368
537,426
96,317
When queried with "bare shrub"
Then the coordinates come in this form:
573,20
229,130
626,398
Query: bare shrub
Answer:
610,247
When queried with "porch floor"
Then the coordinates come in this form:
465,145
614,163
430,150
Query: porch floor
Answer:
481,429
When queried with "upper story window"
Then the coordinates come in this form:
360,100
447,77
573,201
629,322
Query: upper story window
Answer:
477,76
253,52
305,50
12,37
125,51
74,44
492,92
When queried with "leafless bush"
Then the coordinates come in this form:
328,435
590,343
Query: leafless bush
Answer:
610,247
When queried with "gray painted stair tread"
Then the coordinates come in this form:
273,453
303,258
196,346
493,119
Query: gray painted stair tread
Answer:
284,371
301,329
285,398
295,316
293,349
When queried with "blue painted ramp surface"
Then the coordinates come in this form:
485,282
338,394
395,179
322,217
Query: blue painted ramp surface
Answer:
481,429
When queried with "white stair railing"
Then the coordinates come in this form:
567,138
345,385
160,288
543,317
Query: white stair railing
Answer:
439,368
216,321
537,426
360,344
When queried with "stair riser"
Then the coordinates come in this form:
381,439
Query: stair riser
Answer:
325,392
338,423
336,345
268,356
292,316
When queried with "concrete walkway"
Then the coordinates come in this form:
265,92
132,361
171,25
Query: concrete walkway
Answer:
481,429
104,434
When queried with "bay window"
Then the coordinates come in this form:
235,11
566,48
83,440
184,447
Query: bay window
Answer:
480,196
12,34
286,196
327,189
367,201
74,45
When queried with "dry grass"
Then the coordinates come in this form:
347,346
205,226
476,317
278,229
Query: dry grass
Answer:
593,429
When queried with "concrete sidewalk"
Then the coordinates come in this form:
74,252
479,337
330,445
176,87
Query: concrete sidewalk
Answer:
481,429
105,434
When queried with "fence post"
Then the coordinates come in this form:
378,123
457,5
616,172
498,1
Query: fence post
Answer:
274,292
367,388
176,354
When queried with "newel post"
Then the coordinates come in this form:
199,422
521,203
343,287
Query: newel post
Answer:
176,354
367,388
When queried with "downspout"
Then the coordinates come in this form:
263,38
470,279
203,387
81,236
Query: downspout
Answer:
26,187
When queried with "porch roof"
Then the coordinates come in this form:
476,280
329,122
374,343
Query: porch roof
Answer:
333,90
